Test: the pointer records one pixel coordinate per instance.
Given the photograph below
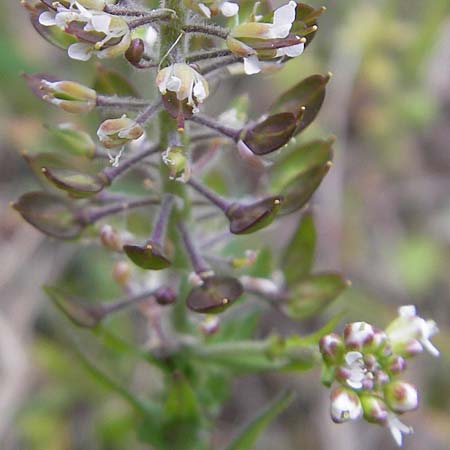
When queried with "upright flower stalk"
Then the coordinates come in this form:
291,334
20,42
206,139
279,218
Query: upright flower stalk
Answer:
202,180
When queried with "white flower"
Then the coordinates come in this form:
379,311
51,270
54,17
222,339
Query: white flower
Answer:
112,33
345,405
401,396
228,9
397,428
357,370
408,326
183,80
283,18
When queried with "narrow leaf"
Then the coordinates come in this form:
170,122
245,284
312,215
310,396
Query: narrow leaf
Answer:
247,438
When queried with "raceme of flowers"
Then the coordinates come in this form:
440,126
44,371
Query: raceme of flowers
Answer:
367,364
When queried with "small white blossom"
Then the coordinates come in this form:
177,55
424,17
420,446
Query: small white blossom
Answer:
229,9
357,370
409,326
397,428
186,82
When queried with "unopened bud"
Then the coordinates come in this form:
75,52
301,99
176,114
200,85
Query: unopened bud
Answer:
396,365
358,335
175,159
135,51
165,295
345,405
401,396
374,409
210,325
121,273
69,96
332,348
110,238
117,132
381,378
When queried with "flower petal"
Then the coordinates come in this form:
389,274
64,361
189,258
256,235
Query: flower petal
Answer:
80,51
229,9
47,19
252,65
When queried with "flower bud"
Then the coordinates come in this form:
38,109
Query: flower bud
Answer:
374,409
210,325
69,96
409,326
345,405
358,335
121,273
135,51
396,364
175,159
117,132
332,348
110,238
401,396
381,378
165,295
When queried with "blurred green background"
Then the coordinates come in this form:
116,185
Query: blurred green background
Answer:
383,216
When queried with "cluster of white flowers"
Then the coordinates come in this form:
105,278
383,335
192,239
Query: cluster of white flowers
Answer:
366,363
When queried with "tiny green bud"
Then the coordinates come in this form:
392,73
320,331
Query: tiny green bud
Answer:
374,409
175,159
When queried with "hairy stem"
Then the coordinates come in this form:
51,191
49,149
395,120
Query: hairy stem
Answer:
211,30
159,229
153,16
205,55
127,103
148,112
198,263
217,200
215,125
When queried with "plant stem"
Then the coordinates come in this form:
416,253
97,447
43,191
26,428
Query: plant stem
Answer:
104,101
159,229
225,61
232,133
92,215
214,198
148,112
201,56
118,305
153,16
211,30
198,263
111,173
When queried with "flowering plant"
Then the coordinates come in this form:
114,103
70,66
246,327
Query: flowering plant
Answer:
198,302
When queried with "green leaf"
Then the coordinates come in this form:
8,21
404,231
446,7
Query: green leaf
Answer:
110,82
298,258
247,438
313,293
